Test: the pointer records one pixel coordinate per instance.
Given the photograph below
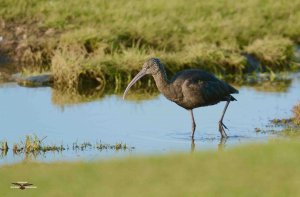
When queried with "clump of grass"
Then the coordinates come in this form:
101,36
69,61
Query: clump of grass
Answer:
100,146
295,120
217,59
273,52
257,130
296,111
17,149
3,148
71,68
282,122
35,53
52,148
82,146
291,125
33,145
118,146
3,145
292,132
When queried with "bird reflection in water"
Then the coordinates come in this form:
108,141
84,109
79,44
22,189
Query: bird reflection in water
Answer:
221,144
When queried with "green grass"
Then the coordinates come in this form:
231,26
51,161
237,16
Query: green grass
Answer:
111,39
254,170
272,51
296,111
33,145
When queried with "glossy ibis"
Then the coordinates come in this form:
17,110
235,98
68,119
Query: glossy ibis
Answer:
189,89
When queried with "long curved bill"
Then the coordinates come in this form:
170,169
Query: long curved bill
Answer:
135,79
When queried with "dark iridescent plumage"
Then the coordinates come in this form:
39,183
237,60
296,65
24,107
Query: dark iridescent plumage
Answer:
196,88
189,89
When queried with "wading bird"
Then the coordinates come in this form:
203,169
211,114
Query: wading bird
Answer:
189,89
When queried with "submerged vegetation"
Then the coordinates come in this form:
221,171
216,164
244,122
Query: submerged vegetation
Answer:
100,146
291,126
98,42
295,120
33,146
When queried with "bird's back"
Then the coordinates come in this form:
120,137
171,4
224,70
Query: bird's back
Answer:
199,88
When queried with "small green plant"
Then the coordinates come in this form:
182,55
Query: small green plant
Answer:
282,122
296,111
34,145
3,148
118,146
17,149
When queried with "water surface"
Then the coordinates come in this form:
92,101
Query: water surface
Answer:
152,126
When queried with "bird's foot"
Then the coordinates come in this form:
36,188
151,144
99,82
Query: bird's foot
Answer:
222,130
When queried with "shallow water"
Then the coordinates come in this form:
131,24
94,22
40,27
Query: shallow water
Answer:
153,127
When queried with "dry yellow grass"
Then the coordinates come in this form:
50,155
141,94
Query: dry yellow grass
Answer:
296,111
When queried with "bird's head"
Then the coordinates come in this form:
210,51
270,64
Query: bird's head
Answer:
151,66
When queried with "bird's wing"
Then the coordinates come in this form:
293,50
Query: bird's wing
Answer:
18,184
27,184
207,91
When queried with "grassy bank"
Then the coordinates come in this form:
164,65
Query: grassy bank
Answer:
254,170
109,40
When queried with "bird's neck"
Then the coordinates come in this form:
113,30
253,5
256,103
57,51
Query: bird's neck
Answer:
162,83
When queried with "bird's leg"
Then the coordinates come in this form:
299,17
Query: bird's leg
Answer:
193,124
221,125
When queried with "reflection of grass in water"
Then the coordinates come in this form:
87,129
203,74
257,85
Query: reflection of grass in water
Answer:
275,86
142,94
70,96
146,89
100,146
252,170
265,82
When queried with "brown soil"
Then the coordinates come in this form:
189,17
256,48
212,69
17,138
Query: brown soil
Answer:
24,42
